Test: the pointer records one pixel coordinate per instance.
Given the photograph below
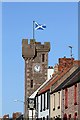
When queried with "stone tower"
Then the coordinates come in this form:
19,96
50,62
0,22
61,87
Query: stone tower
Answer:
35,55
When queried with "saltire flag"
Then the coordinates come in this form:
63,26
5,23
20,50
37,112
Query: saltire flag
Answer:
39,26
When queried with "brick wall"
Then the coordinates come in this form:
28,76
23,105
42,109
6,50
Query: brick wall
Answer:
79,101
65,63
72,109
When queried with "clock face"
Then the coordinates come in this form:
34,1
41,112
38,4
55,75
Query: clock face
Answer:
37,68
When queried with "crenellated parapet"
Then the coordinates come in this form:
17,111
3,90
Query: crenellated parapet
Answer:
29,49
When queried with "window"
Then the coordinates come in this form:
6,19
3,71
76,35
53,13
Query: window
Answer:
75,94
59,100
75,116
54,102
31,83
43,57
48,100
36,104
69,116
50,76
65,117
44,101
66,98
41,104
47,117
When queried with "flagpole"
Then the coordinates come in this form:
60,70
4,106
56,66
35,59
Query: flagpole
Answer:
33,29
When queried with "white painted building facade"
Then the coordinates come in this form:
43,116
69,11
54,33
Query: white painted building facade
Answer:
50,72
43,105
39,113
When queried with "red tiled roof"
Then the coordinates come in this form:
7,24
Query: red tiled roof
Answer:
57,77
51,82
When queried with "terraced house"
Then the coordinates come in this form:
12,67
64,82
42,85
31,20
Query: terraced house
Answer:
51,100
65,94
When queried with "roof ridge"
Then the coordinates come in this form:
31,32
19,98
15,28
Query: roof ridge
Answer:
59,76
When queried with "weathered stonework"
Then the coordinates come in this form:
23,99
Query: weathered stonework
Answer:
32,54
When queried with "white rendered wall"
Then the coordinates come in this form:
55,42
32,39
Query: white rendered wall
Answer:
43,113
57,112
50,72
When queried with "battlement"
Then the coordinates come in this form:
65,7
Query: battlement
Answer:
29,49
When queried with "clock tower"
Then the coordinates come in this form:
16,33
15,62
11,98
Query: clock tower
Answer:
35,56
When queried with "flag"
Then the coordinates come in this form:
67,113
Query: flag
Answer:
39,26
